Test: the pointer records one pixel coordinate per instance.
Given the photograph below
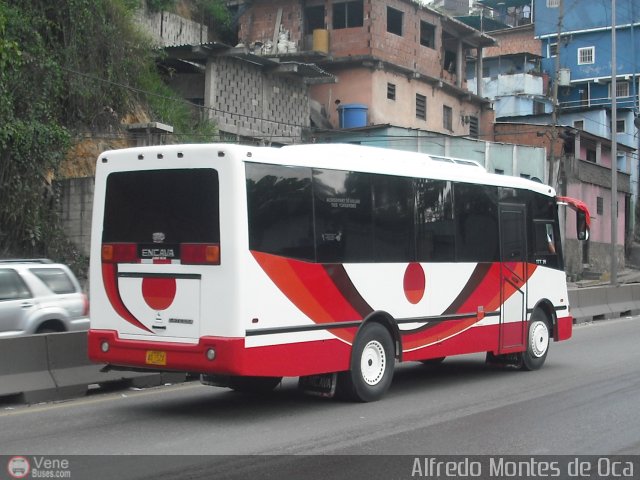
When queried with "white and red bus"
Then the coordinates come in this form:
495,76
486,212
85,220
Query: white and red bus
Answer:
325,262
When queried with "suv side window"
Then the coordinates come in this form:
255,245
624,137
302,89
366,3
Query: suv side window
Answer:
12,287
54,278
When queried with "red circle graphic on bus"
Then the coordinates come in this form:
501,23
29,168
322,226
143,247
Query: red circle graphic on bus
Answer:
414,282
159,292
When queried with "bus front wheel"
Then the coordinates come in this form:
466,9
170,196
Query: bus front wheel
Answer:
538,341
372,364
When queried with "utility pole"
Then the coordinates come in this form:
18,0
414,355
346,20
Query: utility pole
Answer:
614,150
554,111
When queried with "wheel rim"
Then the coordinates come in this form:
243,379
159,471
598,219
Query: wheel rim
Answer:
373,362
539,338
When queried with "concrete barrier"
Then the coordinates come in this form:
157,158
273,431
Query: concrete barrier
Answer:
55,366
72,371
605,301
24,369
620,299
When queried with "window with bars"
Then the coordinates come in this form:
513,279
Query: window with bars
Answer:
586,55
391,91
553,3
421,107
473,127
552,49
447,117
600,205
622,89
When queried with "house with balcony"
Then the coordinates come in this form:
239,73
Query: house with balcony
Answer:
395,61
511,74
576,36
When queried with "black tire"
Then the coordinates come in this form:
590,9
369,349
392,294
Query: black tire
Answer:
372,365
254,384
538,341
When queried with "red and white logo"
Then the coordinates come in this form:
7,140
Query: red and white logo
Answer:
18,467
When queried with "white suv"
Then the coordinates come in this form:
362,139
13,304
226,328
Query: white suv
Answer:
38,296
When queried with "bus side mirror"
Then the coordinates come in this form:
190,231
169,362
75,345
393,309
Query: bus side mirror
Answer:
582,231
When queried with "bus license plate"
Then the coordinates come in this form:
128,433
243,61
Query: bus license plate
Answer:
155,357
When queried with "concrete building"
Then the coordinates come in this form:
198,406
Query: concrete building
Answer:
583,165
395,61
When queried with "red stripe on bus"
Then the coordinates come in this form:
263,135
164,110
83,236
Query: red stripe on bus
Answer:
110,280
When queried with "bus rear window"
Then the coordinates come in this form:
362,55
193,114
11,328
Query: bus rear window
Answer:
180,205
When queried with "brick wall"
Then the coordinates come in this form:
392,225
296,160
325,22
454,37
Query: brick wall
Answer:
514,41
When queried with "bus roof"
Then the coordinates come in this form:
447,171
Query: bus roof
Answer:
340,156
404,163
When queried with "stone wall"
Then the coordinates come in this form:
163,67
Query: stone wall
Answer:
76,204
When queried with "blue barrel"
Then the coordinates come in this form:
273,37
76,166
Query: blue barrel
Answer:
353,115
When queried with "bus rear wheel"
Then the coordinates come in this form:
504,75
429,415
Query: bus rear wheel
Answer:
538,341
372,365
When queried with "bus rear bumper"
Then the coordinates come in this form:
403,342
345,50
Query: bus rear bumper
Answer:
230,356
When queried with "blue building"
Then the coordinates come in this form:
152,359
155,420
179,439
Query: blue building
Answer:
584,51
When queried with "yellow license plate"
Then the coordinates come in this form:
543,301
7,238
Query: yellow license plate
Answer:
155,357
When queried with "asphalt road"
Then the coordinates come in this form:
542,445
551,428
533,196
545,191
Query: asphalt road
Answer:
584,401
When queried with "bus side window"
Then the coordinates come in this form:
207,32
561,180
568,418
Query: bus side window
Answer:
280,212
343,216
435,228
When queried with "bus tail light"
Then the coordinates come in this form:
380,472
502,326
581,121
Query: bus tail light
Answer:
120,253
200,253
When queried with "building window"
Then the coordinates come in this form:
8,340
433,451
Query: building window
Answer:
552,49
600,205
622,89
348,14
447,118
525,175
391,91
394,21
579,124
591,155
621,126
421,107
553,3
473,127
314,18
498,171
427,34
538,108
586,55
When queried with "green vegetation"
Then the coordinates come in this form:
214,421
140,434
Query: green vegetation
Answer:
69,67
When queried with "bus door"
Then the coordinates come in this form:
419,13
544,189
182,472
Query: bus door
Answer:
513,274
